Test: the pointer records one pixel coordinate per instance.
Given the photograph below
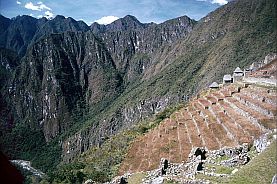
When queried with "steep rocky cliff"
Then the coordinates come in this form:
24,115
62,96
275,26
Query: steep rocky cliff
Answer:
82,86
60,76
219,43
126,23
8,63
133,49
18,33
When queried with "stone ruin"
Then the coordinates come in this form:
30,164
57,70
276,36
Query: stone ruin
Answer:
163,166
239,74
238,155
198,157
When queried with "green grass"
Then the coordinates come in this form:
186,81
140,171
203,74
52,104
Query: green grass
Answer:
221,158
136,178
260,170
219,169
223,169
212,179
248,32
170,182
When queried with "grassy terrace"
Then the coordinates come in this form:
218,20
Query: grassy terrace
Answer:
259,170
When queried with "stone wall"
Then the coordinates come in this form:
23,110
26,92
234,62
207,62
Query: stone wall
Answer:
267,81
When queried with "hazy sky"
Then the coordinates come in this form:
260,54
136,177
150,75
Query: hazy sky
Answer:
105,11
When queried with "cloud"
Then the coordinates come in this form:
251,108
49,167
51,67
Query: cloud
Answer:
220,2
18,2
39,7
106,20
49,14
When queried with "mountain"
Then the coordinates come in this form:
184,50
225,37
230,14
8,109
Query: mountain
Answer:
8,63
128,22
218,43
5,22
60,24
134,49
18,35
59,75
20,32
74,87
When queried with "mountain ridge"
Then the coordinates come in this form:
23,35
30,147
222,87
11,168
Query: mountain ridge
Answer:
149,70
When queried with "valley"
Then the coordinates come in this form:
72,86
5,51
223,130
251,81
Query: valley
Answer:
94,102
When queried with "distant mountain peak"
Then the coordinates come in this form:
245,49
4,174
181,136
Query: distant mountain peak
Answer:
129,22
130,17
59,17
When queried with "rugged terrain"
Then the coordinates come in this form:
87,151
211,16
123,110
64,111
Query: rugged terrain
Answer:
74,86
225,118
218,125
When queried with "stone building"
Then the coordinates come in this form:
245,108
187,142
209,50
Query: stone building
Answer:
227,79
238,74
214,85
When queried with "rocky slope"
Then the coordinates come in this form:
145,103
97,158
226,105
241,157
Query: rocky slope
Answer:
133,49
126,23
9,62
122,73
213,124
62,75
221,123
220,42
20,32
225,118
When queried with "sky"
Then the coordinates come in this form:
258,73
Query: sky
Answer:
106,11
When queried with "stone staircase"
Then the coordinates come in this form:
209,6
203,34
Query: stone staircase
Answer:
228,117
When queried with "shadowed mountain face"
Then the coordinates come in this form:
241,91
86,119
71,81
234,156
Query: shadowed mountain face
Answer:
134,49
73,73
128,22
20,32
217,44
82,84
60,75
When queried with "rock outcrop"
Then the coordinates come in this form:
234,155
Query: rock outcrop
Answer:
134,45
130,70
20,32
60,76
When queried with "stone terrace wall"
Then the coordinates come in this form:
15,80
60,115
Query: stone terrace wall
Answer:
260,80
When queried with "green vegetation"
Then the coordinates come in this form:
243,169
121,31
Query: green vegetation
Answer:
232,38
212,179
102,163
260,170
219,169
221,158
30,145
136,178
170,182
223,170
145,126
